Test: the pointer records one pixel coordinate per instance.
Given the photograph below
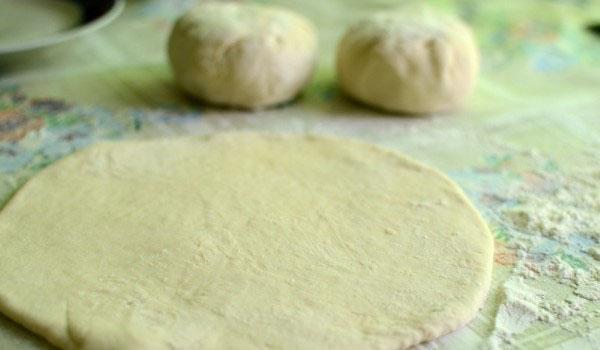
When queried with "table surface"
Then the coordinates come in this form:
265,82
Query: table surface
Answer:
524,149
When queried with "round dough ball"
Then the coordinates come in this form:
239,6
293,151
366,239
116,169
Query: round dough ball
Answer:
413,62
242,55
241,241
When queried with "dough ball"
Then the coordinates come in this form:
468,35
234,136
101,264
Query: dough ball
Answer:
241,241
412,62
242,55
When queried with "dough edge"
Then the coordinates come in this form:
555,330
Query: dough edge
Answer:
428,332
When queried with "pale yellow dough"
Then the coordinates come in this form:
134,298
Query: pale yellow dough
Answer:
242,54
408,61
241,241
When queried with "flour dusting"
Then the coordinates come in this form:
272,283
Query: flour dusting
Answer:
518,311
570,209
552,228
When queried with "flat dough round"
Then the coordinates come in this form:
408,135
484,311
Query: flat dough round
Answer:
241,241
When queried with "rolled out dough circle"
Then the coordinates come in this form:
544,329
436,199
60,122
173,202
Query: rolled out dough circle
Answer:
241,241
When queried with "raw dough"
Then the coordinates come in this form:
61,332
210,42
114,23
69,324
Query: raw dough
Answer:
412,61
241,54
241,241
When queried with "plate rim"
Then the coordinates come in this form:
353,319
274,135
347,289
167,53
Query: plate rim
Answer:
57,38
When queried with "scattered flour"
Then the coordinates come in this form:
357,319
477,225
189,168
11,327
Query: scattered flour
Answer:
518,311
563,218
524,304
572,208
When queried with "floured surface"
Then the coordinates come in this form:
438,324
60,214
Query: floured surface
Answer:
242,241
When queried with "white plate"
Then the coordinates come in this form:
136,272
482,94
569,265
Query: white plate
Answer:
32,24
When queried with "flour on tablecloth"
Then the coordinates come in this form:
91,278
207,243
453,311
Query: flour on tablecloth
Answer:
559,218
